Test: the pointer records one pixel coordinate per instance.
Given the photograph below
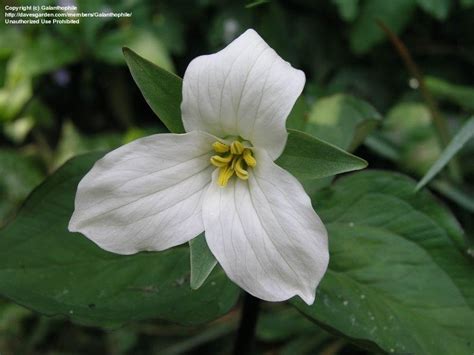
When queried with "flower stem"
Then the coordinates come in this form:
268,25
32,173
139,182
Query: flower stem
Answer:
245,341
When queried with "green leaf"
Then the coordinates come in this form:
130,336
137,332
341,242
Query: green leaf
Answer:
342,120
52,271
348,9
458,94
464,134
436,8
160,88
395,281
395,14
307,157
202,261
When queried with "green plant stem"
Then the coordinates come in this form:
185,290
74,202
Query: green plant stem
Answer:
439,121
245,341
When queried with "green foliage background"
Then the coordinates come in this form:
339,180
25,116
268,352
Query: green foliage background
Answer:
401,270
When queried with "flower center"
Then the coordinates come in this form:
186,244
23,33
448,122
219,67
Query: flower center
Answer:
233,159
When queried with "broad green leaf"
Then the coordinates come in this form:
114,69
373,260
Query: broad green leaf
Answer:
52,271
464,134
458,94
202,261
307,157
161,89
365,32
144,42
395,281
348,9
342,120
436,8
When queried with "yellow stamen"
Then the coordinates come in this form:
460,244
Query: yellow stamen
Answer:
224,175
232,159
249,159
236,148
219,161
220,147
240,171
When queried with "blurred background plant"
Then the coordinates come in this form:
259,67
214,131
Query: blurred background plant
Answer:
65,90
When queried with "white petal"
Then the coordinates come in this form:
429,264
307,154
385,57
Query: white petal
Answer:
265,233
146,195
244,90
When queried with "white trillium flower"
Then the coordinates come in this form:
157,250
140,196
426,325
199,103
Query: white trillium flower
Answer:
219,177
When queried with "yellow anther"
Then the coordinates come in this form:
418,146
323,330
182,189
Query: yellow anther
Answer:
224,175
219,161
236,148
249,159
220,147
239,169
232,159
